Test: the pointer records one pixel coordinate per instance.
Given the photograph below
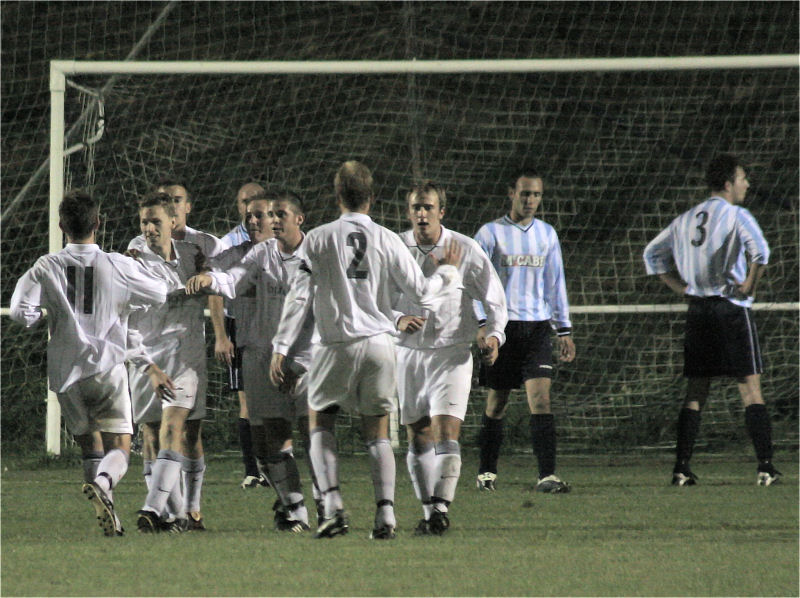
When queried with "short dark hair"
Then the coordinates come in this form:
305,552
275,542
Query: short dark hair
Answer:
173,181
77,214
353,184
292,198
529,172
158,198
721,169
428,187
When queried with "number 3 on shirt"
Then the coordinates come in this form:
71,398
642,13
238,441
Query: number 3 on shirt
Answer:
358,241
88,288
701,228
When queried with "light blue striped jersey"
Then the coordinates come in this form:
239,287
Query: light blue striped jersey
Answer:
528,261
709,246
237,236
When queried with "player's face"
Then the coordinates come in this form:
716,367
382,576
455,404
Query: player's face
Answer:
180,200
425,215
525,198
257,221
285,222
740,186
156,226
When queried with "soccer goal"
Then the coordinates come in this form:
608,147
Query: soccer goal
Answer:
621,144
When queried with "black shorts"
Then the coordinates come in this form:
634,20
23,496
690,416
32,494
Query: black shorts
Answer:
526,354
721,340
235,380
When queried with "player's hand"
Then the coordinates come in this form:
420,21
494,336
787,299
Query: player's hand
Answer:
744,290
197,283
489,349
133,253
223,350
453,252
566,348
276,373
410,324
162,384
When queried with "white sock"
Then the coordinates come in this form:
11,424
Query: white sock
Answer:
176,506
110,471
193,472
447,472
326,467
383,470
147,472
166,472
421,469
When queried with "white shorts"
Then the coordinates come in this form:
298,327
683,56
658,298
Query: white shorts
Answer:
433,382
264,399
99,403
190,394
359,376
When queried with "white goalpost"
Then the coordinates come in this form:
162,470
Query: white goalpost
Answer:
62,70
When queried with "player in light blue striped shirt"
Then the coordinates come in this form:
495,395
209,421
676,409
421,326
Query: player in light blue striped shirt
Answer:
527,256
715,254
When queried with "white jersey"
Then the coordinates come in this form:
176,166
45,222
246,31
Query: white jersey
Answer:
173,334
454,321
208,243
528,261
236,236
244,305
709,245
350,267
89,295
267,269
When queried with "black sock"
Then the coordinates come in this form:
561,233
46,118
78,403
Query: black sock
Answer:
759,427
490,439
543,438
688,426
246,444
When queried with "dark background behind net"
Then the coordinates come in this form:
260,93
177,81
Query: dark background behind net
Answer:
621,154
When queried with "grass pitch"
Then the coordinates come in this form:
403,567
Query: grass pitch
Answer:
623,531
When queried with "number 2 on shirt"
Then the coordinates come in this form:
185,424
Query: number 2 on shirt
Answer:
358,241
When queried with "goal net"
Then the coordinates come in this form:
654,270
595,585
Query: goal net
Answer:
622,151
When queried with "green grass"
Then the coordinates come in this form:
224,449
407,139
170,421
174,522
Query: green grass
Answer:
622,531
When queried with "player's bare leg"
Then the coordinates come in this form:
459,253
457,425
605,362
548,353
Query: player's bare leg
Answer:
490,438
375,430
759,427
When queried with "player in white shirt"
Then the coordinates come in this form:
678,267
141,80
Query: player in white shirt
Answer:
434,357
88,295
526,253
269,266
173,336
715,254
193,464
350,267
226,347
